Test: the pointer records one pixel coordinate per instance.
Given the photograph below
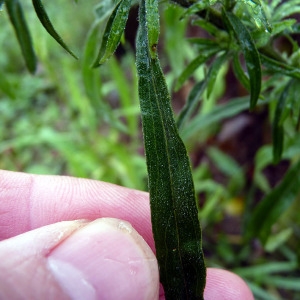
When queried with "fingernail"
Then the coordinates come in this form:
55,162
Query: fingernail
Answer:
107,259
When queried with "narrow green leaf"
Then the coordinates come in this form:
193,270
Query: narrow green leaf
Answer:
274,204
203,43
43,17
239,72
18,21
218,113
209,27
193,65
264,269
192,100
279,239
195,8
250,53
213,72
113,32
174,211
277,129
286,9
274,66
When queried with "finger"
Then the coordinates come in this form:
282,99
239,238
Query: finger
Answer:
105,259
222,284
31,201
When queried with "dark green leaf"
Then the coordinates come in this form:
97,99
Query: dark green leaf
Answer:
18,21
274,66
43,17
113,32
275,204
250,53
277,130
174,211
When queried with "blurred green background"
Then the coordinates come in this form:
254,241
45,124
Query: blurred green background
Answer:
69,119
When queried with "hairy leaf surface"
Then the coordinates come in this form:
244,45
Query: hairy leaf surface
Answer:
174,211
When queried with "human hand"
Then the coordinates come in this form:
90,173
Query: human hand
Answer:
44,254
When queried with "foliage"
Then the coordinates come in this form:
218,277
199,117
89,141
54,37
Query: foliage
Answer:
256,41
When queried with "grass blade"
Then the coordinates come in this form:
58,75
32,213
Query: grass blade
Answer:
174,211
17,18
43,17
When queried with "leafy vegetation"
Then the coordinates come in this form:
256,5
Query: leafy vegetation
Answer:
223,58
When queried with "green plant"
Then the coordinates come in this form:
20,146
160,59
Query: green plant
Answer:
242,36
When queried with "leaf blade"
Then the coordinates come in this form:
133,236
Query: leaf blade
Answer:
250,53
44,19
18,21
174,212
113,32
274,204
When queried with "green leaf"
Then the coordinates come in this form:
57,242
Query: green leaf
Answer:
193,65
113,32
192,100
224,162
276,240
218,113
257,13
1,4
209,27
274,204
18,21
274,66
277,130
239,72
286,9
103,9
43,17
203,43
213,72
196,7
174,211
250,53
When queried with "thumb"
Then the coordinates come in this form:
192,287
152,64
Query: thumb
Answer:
103,259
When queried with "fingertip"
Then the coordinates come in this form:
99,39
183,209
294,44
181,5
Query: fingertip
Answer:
225,285
106,259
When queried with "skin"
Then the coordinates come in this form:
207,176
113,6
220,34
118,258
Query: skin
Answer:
69,238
